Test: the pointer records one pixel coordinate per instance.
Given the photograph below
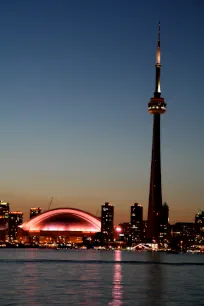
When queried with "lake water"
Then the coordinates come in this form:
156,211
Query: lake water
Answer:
89,277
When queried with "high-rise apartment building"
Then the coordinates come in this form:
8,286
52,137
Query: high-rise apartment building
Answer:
164,224
4,213
199,226
199,218
15,219
183,234
136,220
107,221
125,234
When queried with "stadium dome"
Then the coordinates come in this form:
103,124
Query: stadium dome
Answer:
63,220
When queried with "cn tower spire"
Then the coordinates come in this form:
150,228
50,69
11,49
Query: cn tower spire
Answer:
158,67
158,46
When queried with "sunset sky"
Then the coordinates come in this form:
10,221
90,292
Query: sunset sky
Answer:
75,81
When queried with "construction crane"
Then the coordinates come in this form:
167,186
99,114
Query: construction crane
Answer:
50,203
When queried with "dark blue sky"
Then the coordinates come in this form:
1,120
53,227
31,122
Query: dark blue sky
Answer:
75,81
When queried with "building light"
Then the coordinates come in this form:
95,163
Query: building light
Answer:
118,229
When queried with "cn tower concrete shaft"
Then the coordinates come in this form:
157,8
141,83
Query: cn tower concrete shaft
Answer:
155,192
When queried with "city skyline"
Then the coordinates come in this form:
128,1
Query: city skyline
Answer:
75,80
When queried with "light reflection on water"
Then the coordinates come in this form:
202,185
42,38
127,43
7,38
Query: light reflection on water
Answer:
117,291
95,278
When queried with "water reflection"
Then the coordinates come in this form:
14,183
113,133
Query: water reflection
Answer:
90,279
117,287
155,280
29,279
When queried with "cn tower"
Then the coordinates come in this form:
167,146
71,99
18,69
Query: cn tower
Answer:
156,107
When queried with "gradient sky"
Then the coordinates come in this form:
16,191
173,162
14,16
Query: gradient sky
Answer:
75,81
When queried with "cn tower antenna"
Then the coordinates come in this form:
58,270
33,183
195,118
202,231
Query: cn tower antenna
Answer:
158,53
159,32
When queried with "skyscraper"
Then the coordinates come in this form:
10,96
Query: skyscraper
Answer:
199,218
35,211
126,233
15,219
199,225
4,213
136,220
107,220
164,223
156,107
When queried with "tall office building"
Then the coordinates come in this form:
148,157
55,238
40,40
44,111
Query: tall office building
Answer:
199,226
164,224
199,218
183,234
156,107
136,220
15,219
125,234
107,221
4,213
35,211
